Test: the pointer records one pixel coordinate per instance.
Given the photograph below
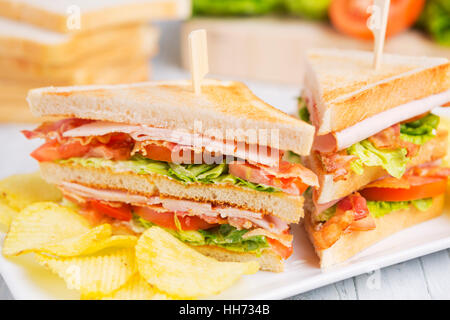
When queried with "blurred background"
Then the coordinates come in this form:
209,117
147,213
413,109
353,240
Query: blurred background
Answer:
75,42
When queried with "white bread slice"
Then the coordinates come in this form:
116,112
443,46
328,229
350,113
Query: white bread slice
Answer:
222,107
80,71
346,89
269,260
286,207
354,242
53,15
35,45
330,190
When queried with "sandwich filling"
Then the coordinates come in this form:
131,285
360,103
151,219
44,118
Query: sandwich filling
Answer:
145,150
360,210
127,148
195,223
392,148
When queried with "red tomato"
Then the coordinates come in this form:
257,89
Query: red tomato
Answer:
421,187
119,212
167,220
350,16
282,250
159,153
52,150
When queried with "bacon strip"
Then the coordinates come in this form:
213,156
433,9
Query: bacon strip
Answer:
337,164
390,139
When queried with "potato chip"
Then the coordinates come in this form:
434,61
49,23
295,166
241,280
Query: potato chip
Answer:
19,191
136,289
91,241
6,213
94,275
120,241
41,224
175,268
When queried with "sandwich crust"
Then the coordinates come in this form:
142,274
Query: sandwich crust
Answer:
269,260
354,242
330,190
346,89
286,207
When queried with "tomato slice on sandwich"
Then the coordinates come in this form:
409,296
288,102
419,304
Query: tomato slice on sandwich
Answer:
409,188
119,211
166,219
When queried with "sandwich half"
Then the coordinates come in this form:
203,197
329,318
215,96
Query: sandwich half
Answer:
371,123
377,211
209,168
377,148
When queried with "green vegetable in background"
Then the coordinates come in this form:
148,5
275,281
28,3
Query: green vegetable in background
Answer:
310,9
435,19
234,7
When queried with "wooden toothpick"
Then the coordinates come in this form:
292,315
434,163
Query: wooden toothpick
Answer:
377,23
198,50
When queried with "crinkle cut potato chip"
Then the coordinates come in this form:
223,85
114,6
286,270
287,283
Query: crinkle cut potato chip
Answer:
41,224
19,191
94,275
78,245
182,272
136,289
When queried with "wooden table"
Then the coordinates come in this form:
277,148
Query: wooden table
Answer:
427,277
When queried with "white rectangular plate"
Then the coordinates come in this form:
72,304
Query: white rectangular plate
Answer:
27,280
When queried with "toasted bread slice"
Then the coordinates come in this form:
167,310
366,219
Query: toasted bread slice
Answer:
223,106
286,207
330,190
91,15
354,242
269,260
46,48
343,88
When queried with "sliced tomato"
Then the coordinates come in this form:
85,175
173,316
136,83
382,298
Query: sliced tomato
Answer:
159,153
166,219
420,188
350,16
254,174
282,250
52,150
120,211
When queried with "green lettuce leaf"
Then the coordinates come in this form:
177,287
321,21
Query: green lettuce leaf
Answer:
191,173
310,9
224,236
422,204
303,112
421,130
393,161
326,215
380,208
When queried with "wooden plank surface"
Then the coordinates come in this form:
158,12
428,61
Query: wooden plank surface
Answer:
272,49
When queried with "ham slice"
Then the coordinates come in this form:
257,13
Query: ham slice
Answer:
187,207
255,153
343,139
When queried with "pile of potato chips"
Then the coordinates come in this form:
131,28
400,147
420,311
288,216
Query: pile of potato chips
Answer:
99,264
